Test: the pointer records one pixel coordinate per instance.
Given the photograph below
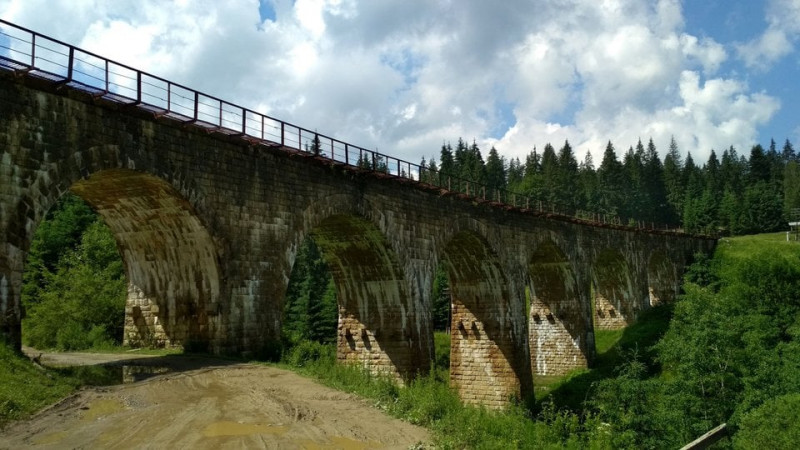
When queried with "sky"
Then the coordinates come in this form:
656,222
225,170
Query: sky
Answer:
405,76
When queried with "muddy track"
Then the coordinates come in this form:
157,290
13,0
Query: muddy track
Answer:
208,403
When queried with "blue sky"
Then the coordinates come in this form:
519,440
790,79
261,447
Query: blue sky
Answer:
738,21
404,76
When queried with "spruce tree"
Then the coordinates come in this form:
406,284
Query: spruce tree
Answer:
610,182
566,178
791,190
447,166
589,185
495,174
657,207
550,176
673,183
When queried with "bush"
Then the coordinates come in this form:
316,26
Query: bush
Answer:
81,304
307,352
773,425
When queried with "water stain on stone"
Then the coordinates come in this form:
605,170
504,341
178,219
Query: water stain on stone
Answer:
227,428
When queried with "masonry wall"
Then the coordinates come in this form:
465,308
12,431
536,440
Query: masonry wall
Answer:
210,237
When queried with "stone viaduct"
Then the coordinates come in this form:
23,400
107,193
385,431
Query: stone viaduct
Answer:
208,226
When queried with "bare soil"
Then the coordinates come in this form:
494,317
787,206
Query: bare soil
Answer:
206,403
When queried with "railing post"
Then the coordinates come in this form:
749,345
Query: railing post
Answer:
139,92
333,151
283,134
244,121
346,154
71,63
196,100
107,84
33,50
220,114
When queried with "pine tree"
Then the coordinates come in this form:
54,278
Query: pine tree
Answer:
532,181
566,177
495,174
550,176
791,190
758,165
447,167
515,174
673,183
634,201
657,207
788,153
589,185
610,182
310,308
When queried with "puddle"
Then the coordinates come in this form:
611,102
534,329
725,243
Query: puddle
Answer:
101,408
226,428
132,374
340,443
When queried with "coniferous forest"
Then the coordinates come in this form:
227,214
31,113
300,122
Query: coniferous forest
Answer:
729,194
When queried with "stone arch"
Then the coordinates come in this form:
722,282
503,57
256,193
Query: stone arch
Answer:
614,297
663,279
377,326
170,259
484,365
38,175
560,328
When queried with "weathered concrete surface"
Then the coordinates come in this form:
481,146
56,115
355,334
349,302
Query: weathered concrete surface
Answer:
209,226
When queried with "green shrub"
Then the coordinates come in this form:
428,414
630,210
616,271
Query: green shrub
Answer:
773,425
81,304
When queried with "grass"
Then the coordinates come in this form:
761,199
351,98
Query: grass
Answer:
428,401
739,247
25,388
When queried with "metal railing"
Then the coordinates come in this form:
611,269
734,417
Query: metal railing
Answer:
29,53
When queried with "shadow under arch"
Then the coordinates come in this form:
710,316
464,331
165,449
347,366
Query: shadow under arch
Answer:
560,327
484,363
662,279
614,300
170,259
377,325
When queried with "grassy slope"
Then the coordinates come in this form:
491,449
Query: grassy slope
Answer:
25,388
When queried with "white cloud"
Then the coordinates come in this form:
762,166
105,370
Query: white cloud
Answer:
404,76
777,41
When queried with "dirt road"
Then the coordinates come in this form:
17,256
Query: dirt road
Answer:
203,403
